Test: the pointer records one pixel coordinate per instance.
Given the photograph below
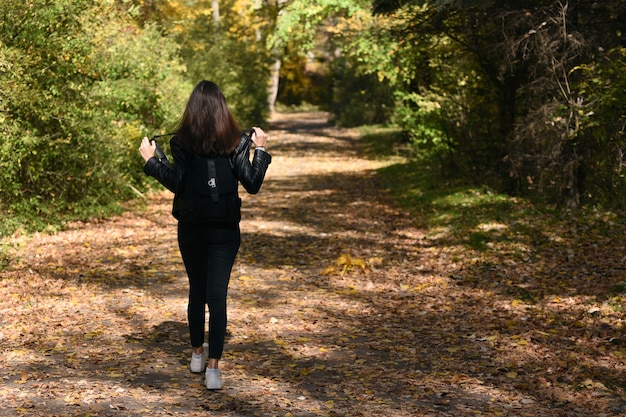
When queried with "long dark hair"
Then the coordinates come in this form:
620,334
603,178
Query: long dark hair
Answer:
207,126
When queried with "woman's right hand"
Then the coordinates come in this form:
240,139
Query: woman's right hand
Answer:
147,149
259,137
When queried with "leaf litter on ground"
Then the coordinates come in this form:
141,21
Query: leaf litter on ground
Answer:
341,304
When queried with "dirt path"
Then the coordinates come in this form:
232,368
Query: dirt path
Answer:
338,307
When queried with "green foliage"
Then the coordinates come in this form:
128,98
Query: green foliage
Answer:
242,74
231,54
80,84
300,21
530,96
438,88
311,34
602,129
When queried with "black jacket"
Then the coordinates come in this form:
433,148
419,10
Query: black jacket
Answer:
249,174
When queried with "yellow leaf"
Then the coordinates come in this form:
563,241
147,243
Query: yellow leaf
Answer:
512,375
344,259
359,262
420,287
280,342
329,270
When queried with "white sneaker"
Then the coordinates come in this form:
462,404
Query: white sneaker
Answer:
198,362
212,379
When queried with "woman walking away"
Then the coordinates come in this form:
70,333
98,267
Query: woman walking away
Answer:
211,155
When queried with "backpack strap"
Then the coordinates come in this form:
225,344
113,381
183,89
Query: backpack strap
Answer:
215,195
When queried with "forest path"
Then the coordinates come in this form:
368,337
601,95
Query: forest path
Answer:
338,306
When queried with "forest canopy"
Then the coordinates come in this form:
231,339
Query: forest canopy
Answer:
526,96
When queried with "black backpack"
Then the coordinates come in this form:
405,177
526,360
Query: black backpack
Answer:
211,192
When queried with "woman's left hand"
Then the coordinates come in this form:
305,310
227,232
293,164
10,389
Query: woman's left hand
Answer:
147,149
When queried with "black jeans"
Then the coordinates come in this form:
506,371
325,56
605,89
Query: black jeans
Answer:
208,254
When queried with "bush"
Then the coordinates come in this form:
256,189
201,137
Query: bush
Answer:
81,85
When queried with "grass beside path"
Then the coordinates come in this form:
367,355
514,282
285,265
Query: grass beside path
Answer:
342,302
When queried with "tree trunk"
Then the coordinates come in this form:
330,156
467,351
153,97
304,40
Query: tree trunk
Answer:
215,5
273,89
